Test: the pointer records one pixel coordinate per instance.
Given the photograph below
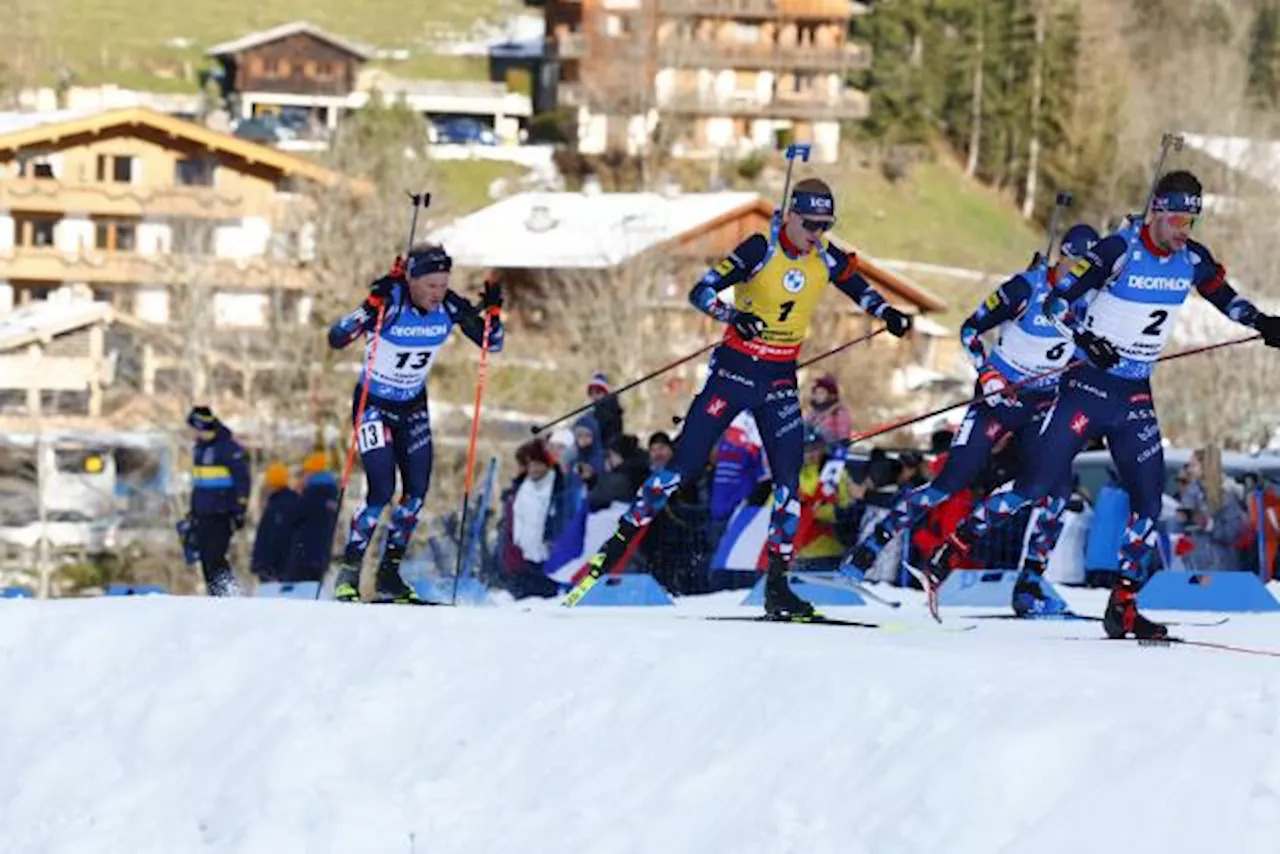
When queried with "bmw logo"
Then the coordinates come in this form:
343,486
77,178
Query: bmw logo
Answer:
793,281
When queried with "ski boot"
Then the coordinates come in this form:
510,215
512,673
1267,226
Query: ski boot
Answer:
346,587
938,566
1030,599
864,555
389,588
1122,619
780,601
223,584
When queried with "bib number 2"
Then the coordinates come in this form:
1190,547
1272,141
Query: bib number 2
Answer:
1158,317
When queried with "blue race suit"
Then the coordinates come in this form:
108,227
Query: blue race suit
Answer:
395,432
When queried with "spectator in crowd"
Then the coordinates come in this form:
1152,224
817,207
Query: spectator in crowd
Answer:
220,486
661,451
827,414
587,460
607,410
317,516
825,490
1263,496
739,466
627,467
270,558
539,510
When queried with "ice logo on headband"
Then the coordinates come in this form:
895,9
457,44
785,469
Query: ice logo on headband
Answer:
813,203
1190,203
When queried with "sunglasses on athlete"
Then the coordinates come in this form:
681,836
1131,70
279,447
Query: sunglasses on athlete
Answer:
817,226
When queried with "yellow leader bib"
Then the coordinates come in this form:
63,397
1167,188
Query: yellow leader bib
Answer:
783,294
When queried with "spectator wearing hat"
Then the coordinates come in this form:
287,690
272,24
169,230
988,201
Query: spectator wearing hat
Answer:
539,511
661,451
827,414
219,497
317,517
607,410
825,490
627,467
271,542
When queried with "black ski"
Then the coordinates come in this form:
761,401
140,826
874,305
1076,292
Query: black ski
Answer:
855,624
1071,616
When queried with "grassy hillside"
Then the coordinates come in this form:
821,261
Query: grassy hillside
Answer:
936,215
133,42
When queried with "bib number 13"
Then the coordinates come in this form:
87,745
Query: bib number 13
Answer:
371,437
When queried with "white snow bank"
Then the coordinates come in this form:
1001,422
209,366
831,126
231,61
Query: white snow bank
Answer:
187,725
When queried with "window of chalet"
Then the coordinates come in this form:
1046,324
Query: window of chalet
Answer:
115,235
115,168
257,67
36,166
34,230
309,69
194,171
328,71
284,68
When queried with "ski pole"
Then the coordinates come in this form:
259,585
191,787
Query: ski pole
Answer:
888,428
845,346
678,419
794,150
417,200
1167,141
490,317
536,429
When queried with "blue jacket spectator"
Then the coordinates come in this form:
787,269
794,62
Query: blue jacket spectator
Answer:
317,515
219,469
271,544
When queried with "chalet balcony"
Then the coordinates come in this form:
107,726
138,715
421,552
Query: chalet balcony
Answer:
827,10
852,105
49,264
711,54
34,195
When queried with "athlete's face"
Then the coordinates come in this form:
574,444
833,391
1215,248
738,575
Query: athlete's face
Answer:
806,230
1171,230
427,292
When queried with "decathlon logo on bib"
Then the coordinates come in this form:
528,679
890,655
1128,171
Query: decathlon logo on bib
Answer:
793,281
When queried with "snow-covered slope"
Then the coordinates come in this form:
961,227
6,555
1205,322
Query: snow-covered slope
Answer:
185,725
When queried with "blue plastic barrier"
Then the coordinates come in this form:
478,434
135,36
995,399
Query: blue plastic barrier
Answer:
628,590
806,586
984,588
16,593
439,589
1206,591
136,590
288,590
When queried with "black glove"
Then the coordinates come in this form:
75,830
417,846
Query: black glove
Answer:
237,521
1101,352
899,324
1269,326
380,291
747,325
491,297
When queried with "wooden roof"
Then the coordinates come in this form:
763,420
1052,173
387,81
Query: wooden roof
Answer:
47,133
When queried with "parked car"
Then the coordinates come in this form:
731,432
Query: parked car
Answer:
461,131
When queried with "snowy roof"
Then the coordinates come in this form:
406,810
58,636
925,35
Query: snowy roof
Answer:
13,121
281,31
43,320
1259,159
580,231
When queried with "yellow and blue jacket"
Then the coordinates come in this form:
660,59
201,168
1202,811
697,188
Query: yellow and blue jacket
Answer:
219,476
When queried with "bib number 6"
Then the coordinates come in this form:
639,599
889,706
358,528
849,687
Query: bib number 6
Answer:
1056,351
